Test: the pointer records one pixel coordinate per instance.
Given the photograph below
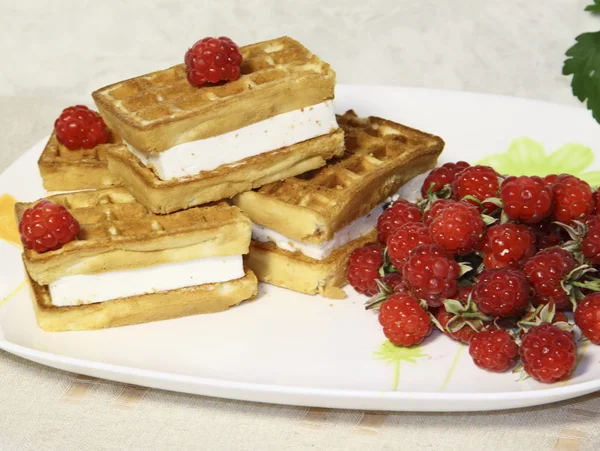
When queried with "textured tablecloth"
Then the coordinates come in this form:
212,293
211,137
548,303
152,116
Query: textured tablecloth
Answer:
55,53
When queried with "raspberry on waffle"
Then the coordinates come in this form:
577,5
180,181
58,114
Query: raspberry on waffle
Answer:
128,266
305,227
190,145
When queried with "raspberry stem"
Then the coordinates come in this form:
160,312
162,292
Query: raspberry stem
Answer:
593,285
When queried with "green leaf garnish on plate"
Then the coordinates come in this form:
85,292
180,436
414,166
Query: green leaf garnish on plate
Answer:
526,156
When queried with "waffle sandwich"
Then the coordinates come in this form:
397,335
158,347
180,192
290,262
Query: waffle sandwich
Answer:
128,266
188,146
71,170
305,227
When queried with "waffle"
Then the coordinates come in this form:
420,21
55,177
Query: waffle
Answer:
300,273
117,233
157,111
380,156
207,298
224,182
70,170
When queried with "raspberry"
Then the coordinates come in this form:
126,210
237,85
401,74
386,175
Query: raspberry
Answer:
405,239
481,182
463,294
501,292
395,282
596,197
587,317
548,353
78,127
573,198
404,321
47,227
436,208
526,199
590,245
545,272
494,350
399,213
547,234
444,175
431,274
458,228
508,245
464,334
211,60
363,268
550,179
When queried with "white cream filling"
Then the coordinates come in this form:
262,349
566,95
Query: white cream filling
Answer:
356,229
89,288
279,131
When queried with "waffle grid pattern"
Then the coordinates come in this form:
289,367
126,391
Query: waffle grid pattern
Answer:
114,214
370,143
166,94
54,153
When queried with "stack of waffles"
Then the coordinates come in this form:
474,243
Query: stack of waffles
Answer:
189,146
130,266
305,227
217,184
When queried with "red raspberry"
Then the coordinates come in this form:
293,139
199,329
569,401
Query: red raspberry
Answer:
363,268
550,179
431,274
501,292
458,228
481,182
547,234
591,221
508,245
494,350
464,334
573,198
444,175
587,317
545,272
405,239
526,199
596,196
404,321
590,245
548,353
463,294
395,282
211,60
436,208
47,227
399,213
78,127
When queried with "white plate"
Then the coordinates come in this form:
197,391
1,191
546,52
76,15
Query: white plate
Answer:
293,349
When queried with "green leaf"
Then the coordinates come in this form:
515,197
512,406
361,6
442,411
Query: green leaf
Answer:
571,158
522,157
595,8
584,64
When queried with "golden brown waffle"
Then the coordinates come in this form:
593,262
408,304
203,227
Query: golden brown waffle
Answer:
70,170
118,233
380,157
157,111
207,298
300,273
162,196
